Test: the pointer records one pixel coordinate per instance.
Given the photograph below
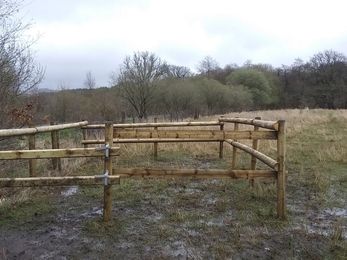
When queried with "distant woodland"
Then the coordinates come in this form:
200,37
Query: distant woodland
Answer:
145,86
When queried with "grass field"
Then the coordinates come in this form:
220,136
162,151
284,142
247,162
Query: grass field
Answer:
198,219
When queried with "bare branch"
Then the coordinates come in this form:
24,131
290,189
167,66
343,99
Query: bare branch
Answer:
207,66
137,80
89,82
19,72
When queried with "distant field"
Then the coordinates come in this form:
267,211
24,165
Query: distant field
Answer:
198,219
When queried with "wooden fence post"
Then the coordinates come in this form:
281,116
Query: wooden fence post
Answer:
85,137
236,127
254,159
59,159
32,162
281,178
123,117
155,145
221,144
56,162
108,167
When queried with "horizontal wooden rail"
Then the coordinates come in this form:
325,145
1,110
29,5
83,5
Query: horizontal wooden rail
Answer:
56,181
55,153
152,140
262,157
40,129
194,134
139,125
272,125
195,173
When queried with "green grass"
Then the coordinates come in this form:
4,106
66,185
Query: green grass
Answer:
221,217
317,159
25,209
98,228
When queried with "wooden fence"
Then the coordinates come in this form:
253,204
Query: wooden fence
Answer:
108,151
163,133
160,133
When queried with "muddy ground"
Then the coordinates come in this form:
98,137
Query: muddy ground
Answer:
179,220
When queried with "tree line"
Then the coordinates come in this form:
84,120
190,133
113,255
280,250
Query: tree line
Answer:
145,85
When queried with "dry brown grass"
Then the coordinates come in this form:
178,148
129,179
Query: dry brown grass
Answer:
3,254
298,122
226,215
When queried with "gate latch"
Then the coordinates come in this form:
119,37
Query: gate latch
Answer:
105,176
106,148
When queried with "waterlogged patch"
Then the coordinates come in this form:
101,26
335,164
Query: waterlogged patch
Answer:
126,245
191,190
95,211
327,222
177,249
155,217
337,212
70,191
212,223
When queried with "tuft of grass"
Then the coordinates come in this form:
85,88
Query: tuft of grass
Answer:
98,228
3,255
264,191
338,232
220,249
164,232
221,205
198,224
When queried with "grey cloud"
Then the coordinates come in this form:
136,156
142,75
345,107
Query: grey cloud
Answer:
49,11
70,66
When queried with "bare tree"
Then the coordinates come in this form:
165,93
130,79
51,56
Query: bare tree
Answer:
208,66
89,82
247,64
179,72
19,72
328,69
137,80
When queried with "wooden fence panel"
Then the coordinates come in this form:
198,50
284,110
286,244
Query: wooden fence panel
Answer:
195,173
40,129
204,134
55,153
55,181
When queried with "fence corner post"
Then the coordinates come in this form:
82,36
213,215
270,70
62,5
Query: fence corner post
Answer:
107,214
281,178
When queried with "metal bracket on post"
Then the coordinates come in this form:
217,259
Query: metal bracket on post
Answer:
106,148
105,176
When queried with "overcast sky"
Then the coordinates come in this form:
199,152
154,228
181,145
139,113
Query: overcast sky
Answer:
89,35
